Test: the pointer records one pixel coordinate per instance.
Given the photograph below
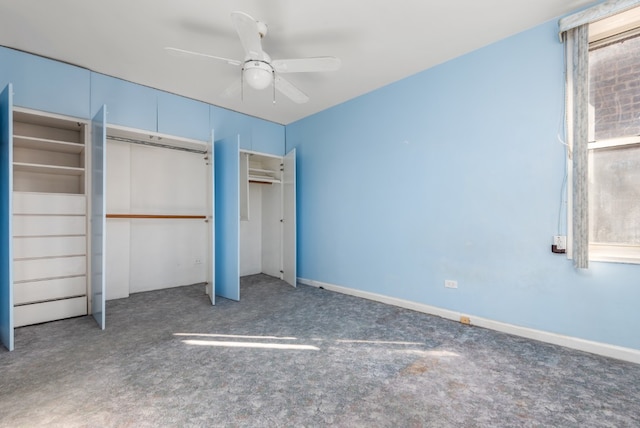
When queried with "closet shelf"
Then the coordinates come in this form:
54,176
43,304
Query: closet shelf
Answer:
47,169
262,171
36,143
262,179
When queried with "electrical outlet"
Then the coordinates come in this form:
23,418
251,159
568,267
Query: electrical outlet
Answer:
198,261
560,241
559,244
450,283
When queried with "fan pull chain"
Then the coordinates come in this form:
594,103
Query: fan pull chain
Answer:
242,84
273,73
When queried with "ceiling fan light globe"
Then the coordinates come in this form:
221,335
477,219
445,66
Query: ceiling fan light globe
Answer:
258,75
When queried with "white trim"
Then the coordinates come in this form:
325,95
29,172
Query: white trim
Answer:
599,348
407,304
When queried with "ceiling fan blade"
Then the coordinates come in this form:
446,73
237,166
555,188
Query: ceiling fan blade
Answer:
184,53
249,34
303,65
232,90
290,91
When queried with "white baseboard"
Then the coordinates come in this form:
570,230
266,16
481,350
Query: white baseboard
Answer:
604,349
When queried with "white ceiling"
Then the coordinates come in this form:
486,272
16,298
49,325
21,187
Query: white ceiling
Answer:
378,41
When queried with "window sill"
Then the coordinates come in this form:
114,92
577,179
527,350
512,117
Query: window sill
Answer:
614,253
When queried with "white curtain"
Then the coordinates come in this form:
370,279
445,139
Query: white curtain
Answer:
577,40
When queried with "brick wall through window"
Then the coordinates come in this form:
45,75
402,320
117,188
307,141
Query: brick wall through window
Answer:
615,88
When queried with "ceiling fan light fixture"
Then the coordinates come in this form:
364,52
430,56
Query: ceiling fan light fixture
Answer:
258,74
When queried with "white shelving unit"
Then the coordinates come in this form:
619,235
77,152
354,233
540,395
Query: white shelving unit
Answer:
264,169
266,222
49,217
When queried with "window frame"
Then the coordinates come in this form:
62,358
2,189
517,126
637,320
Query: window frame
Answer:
605,26
608,252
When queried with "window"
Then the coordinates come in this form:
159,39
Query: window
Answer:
614,138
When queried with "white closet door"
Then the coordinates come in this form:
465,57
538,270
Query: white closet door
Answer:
244,187
211,222
227,220
269,246
289,218
6,256
98,214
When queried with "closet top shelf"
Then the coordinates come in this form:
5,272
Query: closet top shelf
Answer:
262,179
262,175
46,119
38,143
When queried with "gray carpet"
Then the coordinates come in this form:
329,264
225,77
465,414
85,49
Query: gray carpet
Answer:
299,357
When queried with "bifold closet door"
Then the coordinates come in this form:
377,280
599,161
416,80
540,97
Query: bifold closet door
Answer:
211,222
289,218
98,214
6,214
227,218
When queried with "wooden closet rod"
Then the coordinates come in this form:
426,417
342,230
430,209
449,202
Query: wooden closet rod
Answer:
198,217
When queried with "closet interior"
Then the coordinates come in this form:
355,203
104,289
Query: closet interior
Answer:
159,212
50,238
267,215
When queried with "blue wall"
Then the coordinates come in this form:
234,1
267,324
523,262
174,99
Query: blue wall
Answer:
456,173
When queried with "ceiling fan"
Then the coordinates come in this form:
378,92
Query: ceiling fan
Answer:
259,71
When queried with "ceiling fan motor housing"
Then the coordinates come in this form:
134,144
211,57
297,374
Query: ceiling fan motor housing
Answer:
258,74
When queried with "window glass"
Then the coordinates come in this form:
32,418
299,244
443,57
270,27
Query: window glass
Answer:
614,88
614,195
